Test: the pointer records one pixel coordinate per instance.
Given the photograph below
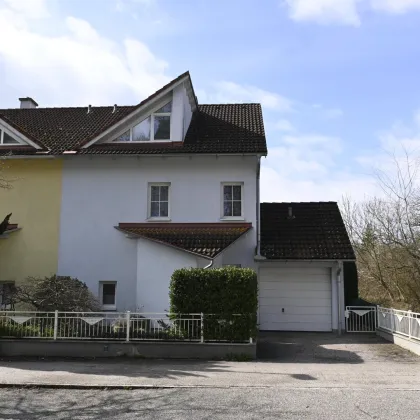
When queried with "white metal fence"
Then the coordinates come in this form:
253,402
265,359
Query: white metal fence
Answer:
126,326
400,322
361,319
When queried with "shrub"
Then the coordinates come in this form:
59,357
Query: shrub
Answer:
60,293
227,296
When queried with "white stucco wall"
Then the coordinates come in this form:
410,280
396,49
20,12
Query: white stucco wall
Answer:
100,192
156,263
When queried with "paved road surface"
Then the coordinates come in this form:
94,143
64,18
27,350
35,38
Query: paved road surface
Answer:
302,376
211,404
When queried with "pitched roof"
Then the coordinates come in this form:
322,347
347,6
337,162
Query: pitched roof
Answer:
315,231
233,128
204,239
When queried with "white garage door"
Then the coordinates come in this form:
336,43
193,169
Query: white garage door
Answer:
295,299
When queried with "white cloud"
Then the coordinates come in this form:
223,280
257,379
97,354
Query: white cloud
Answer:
304,167
76,66
284,125
230,92
344,12
325,11
395,6
32,9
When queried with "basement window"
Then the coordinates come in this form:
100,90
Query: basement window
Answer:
107,295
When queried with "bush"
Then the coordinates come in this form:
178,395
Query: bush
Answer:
62,293
227,296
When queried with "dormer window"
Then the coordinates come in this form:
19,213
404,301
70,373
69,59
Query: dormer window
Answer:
156,127
6,139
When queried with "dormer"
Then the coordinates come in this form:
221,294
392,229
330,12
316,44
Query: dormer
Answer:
11,136
163,117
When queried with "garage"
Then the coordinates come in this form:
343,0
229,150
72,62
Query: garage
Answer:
295,299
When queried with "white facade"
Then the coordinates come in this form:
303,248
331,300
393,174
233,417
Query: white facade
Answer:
99,193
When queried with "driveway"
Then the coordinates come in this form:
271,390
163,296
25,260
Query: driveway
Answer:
330,348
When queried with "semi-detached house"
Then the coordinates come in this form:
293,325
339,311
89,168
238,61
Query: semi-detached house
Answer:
121,196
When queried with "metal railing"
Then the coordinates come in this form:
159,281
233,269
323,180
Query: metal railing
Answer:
361,319
406,323
126,326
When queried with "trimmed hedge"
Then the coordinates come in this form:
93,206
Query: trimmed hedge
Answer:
227,296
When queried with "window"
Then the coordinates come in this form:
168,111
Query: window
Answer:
6,138
7,290
232,200
232,265
107,293
156,127
159,201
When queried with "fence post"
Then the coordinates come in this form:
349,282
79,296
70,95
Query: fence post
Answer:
392,320
202,327
409,324
128,326
55,324
375,316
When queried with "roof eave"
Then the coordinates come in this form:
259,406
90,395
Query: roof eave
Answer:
131,235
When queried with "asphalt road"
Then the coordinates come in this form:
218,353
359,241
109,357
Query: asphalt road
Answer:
210,403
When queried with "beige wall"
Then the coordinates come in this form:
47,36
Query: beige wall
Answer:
35,201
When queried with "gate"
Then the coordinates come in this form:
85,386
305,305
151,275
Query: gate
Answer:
361,319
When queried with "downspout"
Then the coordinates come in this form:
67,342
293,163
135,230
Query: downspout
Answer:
258,207
339,281
209,265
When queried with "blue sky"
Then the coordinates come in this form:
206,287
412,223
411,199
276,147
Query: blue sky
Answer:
338,79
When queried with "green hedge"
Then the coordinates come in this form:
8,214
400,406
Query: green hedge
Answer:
227,296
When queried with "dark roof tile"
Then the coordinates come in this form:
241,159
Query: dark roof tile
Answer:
316,231
224,128
205,239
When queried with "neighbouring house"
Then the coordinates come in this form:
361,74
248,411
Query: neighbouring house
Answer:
139,191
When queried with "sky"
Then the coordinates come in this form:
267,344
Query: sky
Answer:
338,79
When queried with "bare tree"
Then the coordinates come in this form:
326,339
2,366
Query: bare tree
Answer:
61,293
385,233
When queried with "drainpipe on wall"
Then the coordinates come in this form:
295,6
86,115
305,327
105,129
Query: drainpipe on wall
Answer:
339,281
209,265
258,206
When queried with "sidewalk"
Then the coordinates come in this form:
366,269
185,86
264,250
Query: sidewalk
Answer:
168,374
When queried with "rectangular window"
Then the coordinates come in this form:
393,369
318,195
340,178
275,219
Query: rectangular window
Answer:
107,295
7,290
159,201
232,200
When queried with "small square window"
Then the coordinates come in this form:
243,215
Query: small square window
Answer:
108,292
232,200
159,201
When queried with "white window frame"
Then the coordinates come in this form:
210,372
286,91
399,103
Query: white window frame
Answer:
101,296
2,306
149,201
2,131
152,124
222,202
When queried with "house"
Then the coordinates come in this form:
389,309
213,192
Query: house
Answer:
169,183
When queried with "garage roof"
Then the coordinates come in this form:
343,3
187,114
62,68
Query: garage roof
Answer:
304,231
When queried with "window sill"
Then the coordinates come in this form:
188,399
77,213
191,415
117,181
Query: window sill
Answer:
159,219
232,219
109,308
